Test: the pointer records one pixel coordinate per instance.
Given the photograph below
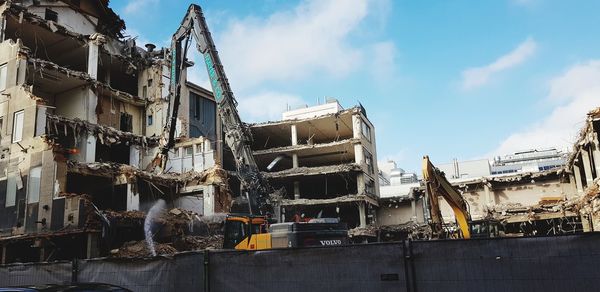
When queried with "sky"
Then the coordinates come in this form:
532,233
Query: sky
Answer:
449,79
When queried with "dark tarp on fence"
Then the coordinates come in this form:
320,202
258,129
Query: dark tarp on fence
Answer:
503,264
351,268
39,273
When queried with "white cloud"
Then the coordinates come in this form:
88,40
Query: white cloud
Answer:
478,76
137,5
310,39
267,105
575,92
383,64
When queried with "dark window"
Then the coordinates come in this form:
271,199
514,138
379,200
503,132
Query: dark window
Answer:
51,15
202,114
150,120
126,122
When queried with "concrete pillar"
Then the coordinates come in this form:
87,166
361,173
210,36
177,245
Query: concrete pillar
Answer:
92,246
208,196
90,149
578,182
413,206
42,254
92,66
133,198
586,223
360,184
4,254
362,214
596,155
295,163
294,131
356,126
587,167
490,198
296,190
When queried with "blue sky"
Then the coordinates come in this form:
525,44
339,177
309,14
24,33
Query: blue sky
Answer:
451,79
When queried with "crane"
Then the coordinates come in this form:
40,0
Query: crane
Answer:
237,135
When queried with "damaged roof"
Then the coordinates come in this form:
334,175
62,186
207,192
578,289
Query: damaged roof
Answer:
109,22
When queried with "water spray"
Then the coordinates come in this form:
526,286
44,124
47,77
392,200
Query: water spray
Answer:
152,214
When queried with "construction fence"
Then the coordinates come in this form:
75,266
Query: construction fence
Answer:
504,264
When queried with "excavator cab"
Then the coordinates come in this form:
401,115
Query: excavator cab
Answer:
246,232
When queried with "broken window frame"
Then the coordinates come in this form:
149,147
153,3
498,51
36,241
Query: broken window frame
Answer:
51,15
188,151
365,130
3,76
368,158
34,185
18,122
126,122
370,186
11,189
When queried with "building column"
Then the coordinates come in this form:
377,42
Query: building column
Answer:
133,199
92,246
577,175
490,198
88,145
587,167
295,164
362,214
413,206
4,254
296,190
596,154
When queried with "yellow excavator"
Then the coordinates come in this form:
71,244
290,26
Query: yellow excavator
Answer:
436,185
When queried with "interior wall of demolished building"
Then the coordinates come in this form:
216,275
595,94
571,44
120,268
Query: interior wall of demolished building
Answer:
321,159
74,108
584,171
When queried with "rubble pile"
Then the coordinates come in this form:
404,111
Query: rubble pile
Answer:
139,249
192,242
410,230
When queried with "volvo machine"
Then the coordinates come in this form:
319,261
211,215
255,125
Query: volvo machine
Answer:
436,186
242,231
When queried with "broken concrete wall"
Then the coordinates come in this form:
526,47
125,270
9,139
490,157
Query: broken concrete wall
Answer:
395,211
66,17
523,189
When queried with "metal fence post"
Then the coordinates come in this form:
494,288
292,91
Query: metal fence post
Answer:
405,259
206,270
74,270
412,266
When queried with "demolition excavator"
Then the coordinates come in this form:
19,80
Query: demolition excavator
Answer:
242,231
436,186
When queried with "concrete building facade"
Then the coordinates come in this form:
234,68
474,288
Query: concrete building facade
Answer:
82,116
324,158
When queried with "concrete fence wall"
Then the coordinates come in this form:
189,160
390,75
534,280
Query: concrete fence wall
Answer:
505,264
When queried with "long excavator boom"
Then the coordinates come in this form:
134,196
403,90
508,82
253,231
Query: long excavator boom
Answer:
436,186
236,135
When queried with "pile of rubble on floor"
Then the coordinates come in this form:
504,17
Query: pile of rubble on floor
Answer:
410,230
174,230
139,249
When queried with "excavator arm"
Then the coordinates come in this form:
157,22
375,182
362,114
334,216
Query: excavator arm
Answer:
236,134
436,186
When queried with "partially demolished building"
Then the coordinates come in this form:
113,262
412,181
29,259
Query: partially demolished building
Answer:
82,112
324,158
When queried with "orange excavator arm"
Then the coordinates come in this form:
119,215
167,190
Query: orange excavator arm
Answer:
436,186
